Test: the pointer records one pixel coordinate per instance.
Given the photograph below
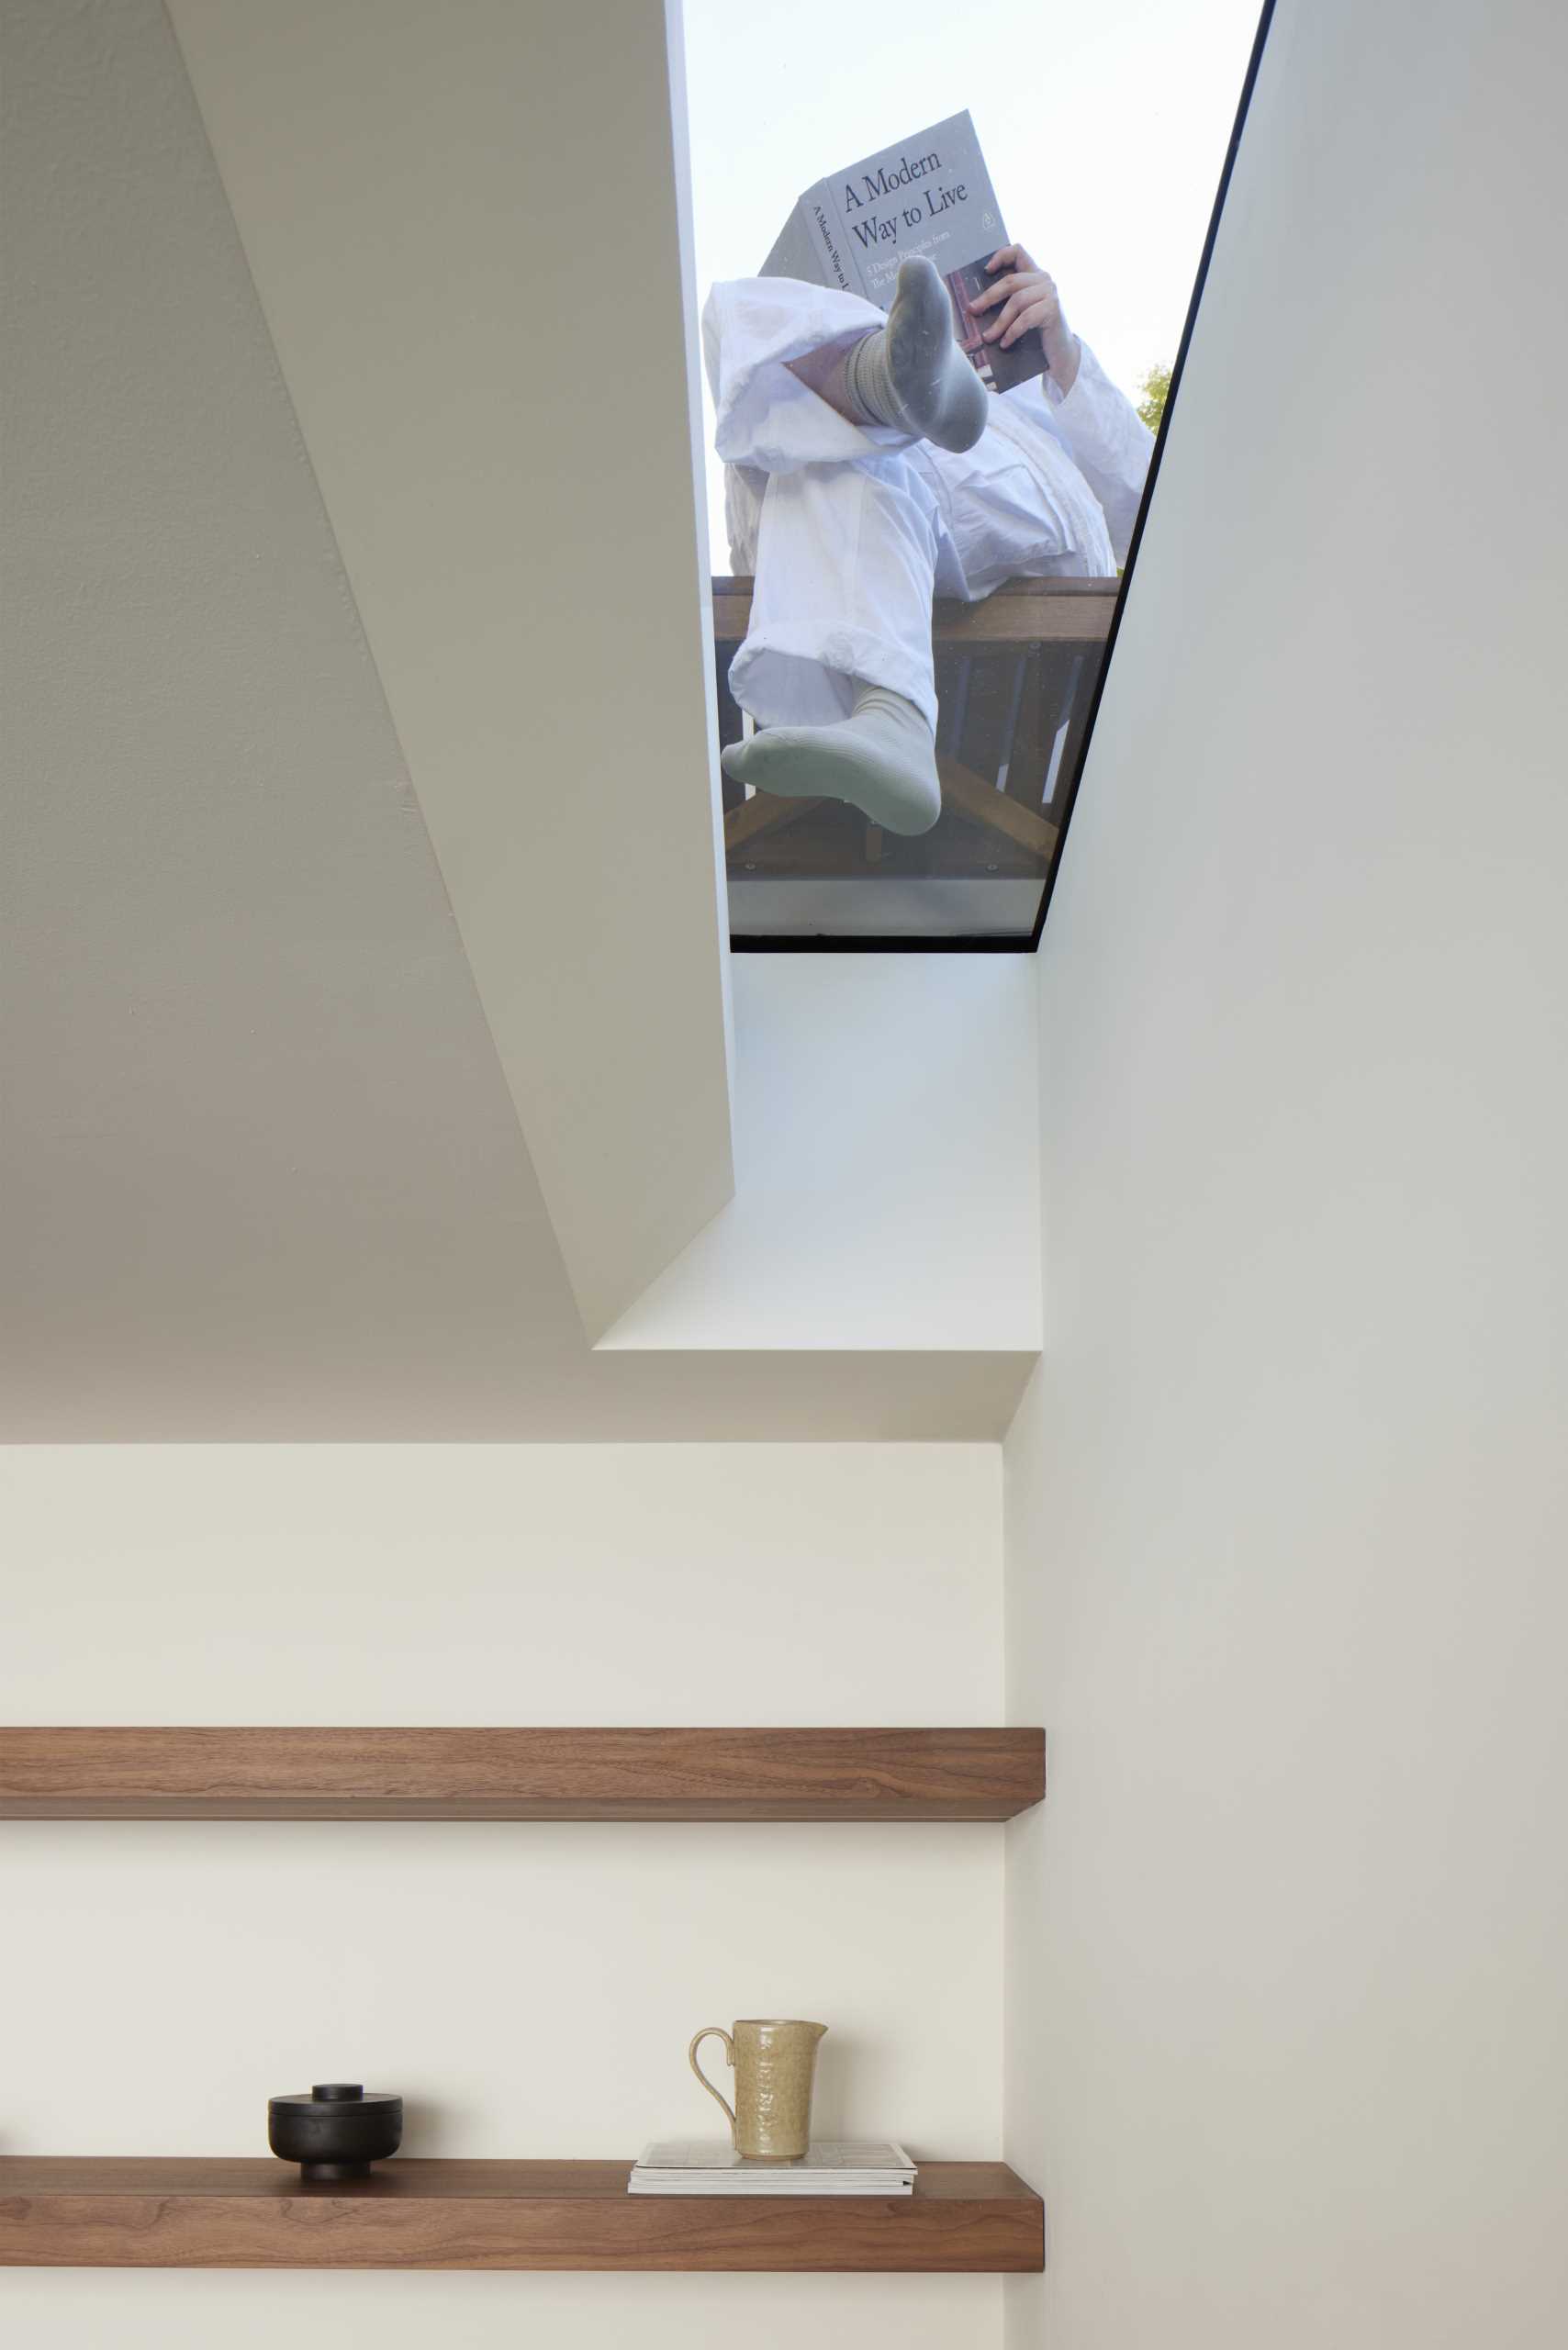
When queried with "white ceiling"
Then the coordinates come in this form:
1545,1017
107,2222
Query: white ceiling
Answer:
261,1165
263,1175
464,226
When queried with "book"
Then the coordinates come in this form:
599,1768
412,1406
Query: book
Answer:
712,2166
929,195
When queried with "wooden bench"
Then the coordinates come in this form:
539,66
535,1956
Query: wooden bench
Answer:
1015,677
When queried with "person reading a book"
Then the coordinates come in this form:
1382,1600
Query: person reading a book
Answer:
868,468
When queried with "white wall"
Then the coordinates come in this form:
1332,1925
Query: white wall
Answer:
530,1989
1288,1943
887,1166
425,195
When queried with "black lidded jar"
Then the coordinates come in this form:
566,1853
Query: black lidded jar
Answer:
337,2132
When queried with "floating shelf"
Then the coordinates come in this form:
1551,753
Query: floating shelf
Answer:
974,2218
713,1775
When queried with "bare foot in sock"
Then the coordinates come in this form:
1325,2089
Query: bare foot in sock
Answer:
912,374
882,759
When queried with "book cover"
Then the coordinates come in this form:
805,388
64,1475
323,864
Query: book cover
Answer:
929,195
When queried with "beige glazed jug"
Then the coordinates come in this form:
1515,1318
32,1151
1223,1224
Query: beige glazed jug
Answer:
773,2064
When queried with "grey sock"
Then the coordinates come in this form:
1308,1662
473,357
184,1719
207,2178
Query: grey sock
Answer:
911,373
882,759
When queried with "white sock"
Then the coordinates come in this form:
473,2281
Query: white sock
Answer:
882,759
911,373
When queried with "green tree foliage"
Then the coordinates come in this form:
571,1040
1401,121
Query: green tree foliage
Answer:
1155,390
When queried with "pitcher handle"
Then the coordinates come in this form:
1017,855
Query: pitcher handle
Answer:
715,2031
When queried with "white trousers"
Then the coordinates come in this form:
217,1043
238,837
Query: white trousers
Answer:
849,529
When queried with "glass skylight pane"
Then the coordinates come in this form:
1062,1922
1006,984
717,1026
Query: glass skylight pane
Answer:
917,535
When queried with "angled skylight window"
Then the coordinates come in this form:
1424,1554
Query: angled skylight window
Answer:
948,268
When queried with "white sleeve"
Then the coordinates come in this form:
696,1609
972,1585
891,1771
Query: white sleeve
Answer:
1109,442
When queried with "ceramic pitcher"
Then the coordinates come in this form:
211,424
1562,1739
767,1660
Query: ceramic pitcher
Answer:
773,2064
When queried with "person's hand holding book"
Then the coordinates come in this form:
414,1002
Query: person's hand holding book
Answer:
1029,304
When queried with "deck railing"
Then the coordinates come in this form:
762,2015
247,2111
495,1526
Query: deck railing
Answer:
1015,675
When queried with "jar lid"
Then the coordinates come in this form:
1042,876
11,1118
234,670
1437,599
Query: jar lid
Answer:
331,2096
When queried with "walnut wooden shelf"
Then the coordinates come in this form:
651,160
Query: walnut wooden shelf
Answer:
974,2218
561,1774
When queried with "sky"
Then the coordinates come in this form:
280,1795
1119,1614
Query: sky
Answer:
1104,125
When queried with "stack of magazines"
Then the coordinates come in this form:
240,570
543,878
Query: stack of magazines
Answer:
712,2166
